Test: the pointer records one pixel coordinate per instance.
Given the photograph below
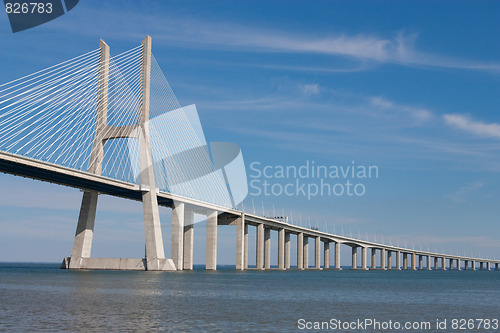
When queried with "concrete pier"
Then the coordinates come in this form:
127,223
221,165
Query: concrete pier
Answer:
82,244
287,250
398,260
363,258
413,261
188,238
259,255
245,246
337,256
317,252
177,247
211,245
354,264
306,252
240,243
389,259
420,262
382,259
429,263
267,248
436,266
405,261
300,251
326,255
281,249
374,259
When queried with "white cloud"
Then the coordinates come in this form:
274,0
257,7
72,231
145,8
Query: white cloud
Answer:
310,89
399,50
461,194
197,33
475,127
419,114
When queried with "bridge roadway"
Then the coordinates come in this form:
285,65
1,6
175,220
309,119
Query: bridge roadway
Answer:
218,215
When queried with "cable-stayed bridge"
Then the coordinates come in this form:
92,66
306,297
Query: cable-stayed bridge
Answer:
112,125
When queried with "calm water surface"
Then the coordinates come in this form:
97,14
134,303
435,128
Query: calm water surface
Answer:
35,297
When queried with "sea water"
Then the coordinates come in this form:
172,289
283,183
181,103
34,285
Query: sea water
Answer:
42,297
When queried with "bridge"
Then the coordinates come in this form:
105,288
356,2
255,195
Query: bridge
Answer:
112,125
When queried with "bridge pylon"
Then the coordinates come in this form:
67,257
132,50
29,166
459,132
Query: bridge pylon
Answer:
154,255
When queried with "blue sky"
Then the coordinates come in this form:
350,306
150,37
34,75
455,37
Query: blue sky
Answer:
412,88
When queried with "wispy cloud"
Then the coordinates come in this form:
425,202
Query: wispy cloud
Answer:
465,123
419,114
463,192
400,49
191,32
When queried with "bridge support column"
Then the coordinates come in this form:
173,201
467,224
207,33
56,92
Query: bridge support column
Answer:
354,264
451,264
326,255
481,266
281,249
405,261
374,259
287,250
177,247
363,258
317,253
267,248
245,247
458,265
155,254
82,244
382,259
240,242
306,252
398,260
429,263
420,261
496,266
488,266
211,255
259,248
337,256
188,238
443,263
413,261
473,265
436,263
300,250
466,265
389,259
